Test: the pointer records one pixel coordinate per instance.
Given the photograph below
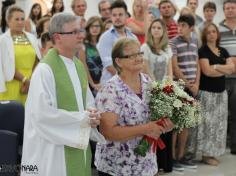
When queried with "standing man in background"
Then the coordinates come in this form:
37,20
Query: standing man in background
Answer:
79,8
104,8
107,40
193,4
228,40
186,67
167,10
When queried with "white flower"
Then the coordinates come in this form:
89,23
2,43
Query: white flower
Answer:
181,108
177,103
191,114
154,84
166,82
181,93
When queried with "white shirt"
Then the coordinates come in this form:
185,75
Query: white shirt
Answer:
33,28
48,129
158,63
7,57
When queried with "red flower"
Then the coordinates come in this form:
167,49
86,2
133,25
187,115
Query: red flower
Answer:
168,89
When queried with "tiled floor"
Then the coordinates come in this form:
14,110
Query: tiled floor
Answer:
226,168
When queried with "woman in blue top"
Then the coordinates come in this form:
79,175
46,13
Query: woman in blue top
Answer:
90,57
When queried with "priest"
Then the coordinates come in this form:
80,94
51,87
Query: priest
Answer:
59,115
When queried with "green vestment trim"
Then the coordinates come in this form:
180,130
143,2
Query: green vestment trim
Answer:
66,99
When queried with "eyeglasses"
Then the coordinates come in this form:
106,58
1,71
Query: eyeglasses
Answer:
75,32
133,56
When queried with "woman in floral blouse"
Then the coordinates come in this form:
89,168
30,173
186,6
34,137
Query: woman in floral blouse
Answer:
125,116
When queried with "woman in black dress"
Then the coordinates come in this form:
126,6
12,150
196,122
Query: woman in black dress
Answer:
215,63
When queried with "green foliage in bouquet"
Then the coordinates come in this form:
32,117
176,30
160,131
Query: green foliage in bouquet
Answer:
141,149
167,99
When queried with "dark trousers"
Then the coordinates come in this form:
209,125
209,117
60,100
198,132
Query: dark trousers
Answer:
93,149
231,89
164,157
103,174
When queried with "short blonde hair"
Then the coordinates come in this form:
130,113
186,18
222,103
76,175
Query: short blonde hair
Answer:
118,48
144,6
11,10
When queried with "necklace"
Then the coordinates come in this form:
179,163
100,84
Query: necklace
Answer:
20,39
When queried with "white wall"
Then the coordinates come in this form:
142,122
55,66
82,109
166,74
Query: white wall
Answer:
21,3
92,7
92,10
219,5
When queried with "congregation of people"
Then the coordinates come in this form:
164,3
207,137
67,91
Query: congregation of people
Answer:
83,84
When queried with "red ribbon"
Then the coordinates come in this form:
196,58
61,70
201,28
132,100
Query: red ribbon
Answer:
156,143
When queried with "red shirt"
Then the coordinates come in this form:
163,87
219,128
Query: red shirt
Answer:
172,29
140,37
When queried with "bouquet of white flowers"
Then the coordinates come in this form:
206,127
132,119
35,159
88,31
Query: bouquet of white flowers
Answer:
167,99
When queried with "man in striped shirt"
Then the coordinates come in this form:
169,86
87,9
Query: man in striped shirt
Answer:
164,157
228,40
185,67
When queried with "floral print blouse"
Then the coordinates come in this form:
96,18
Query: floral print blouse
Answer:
118,158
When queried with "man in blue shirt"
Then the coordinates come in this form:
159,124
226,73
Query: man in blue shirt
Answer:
107,40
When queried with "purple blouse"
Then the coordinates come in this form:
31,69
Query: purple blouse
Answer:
118,158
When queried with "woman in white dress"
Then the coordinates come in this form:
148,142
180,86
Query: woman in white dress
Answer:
34,16
57,7
157,52
158,55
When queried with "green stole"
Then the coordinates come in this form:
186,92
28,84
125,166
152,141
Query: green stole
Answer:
66,99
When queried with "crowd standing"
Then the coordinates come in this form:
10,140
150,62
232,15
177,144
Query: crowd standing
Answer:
83,81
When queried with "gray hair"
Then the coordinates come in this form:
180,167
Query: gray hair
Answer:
102,2
58,21
73,3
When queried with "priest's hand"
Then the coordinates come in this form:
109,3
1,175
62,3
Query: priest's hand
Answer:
95,117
